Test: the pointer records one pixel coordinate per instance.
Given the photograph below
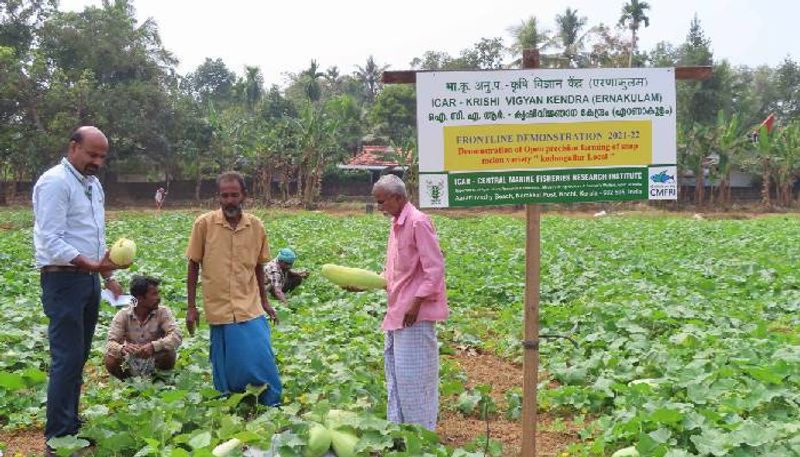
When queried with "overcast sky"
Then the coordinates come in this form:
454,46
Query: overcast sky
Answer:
280,36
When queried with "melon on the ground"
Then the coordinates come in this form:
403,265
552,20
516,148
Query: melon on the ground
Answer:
344,443
626,452
226,448
319,441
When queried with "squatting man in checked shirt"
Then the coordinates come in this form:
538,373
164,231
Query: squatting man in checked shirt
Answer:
281,278
417,299
144,336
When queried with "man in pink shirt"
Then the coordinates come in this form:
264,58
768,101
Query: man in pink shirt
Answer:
417,300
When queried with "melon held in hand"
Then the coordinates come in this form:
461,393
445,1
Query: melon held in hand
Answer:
352,277
123,252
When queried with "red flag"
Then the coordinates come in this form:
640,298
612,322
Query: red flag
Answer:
768,123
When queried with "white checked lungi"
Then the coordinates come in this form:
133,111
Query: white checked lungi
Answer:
411,362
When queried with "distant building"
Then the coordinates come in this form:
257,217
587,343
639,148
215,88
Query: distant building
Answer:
378,160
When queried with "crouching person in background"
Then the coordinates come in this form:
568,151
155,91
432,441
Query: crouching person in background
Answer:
281,278
144,336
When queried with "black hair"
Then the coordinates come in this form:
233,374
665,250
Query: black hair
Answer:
76,136
140,284
232,176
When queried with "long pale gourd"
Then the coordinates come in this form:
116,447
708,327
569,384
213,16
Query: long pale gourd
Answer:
352,277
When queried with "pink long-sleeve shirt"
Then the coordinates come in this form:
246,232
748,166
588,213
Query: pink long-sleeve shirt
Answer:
414,268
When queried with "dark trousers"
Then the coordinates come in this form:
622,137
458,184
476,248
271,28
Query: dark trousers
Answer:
292,281
71,301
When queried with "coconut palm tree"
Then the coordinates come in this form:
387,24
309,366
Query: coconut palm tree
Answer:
569,35
311,76
253,88
527,35
370,76
633,16
332,74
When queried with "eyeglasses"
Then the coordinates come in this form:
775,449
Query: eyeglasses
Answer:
88,192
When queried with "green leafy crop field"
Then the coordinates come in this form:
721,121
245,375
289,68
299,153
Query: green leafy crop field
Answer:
687,332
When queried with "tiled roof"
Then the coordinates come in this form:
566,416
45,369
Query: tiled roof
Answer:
374,156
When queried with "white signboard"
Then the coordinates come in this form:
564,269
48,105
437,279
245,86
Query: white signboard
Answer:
528,136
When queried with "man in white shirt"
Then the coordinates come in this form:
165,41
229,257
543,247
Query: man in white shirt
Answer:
70,244
161,193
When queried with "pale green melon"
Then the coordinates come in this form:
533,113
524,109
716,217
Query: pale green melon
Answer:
352,277
344,443
319,441
626,452
337,418
226,448
123,252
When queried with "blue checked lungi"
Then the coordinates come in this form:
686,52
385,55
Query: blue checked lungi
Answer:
241,354
411,362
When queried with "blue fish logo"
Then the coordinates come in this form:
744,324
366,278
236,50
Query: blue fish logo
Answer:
662,177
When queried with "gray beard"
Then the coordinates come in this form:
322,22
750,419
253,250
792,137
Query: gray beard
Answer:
232,212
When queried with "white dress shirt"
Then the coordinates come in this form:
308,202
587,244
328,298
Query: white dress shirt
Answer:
69,218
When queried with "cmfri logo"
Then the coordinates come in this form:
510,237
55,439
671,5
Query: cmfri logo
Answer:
662,184
662,177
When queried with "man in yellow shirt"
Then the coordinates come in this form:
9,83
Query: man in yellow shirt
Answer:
230,247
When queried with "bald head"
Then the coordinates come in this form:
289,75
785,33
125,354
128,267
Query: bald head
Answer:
87,131
88,148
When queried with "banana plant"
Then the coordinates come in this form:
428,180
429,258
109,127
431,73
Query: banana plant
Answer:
787,162
765,153
407,157
731,141
697,144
